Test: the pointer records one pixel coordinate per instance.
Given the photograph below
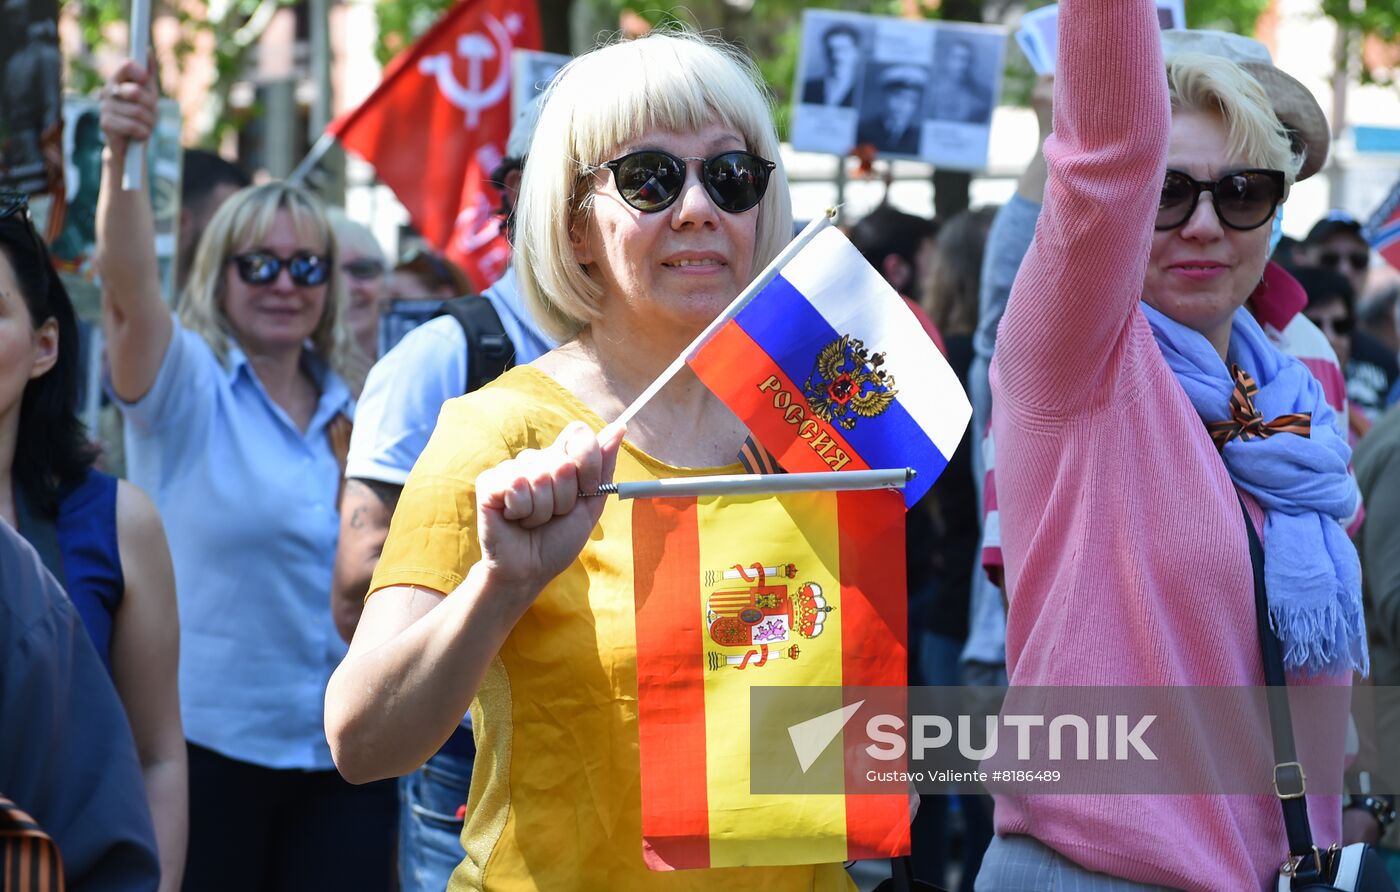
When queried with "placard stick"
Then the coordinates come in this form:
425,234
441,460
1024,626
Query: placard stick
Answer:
769,273
140,41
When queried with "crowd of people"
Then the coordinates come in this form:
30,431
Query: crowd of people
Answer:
353,625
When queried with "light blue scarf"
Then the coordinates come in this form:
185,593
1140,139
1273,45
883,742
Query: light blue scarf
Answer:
1312,576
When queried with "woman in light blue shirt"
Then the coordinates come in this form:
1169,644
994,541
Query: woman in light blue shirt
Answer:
237,418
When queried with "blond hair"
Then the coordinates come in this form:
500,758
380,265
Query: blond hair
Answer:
1215,85
352,235
240,223
676,81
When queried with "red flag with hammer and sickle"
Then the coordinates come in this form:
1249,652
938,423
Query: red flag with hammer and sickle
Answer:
437,124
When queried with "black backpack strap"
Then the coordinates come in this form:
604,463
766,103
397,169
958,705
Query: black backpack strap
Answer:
489,350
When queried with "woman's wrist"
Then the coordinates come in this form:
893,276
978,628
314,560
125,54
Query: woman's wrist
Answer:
114,155
1379,807
494,596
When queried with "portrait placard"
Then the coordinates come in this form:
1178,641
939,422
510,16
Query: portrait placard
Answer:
906,89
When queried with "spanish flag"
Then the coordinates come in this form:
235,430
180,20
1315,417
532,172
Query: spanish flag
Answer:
793,591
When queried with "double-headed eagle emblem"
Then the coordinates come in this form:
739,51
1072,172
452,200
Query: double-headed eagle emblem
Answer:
848,382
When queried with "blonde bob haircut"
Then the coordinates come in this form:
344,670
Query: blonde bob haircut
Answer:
665,81
241,224
1215,85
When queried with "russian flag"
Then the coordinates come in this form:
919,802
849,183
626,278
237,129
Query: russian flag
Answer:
1383,229
832,372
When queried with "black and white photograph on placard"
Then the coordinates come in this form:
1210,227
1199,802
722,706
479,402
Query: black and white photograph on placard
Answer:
923,90
836,49
832,75
892,99
892,111
966,65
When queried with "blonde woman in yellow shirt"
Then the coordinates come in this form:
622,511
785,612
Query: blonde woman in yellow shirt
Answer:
652,196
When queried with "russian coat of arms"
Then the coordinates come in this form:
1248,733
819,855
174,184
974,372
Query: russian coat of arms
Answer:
847,382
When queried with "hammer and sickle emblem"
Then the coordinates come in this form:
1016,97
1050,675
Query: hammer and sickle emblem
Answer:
477,50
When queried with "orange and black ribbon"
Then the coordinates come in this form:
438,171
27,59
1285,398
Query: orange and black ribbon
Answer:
757,460
1246,423
29,858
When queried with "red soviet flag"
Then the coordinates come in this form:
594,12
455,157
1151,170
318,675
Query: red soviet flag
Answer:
436,126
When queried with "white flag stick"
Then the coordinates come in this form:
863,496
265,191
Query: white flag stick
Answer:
313,157
769,273
759,484
140,40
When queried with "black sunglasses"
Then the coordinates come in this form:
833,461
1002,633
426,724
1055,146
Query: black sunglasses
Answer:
261,267
1244,200
650,180
1358,260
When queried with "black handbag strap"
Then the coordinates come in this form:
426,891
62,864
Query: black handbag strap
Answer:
1289,783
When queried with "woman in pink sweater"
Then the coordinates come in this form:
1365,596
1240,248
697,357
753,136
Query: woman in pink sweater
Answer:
1127,558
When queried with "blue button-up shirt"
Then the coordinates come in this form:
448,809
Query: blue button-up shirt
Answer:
249,504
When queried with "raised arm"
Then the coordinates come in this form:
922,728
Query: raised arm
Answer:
418,656
1084,272
135,320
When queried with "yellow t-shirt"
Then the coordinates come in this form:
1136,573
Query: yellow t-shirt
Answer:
555,799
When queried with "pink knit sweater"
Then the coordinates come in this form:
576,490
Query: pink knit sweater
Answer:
1126,559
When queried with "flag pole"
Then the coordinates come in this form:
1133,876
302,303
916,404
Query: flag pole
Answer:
758,484
140,40
769,273
306,165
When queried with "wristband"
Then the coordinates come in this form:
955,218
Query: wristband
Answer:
1380,809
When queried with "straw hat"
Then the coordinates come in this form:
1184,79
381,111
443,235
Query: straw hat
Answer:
1293,103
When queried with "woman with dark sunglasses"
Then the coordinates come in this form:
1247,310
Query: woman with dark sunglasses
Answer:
1137,404
100,537
652,196
236,420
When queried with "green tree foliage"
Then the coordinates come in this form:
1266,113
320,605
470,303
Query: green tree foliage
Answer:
401,23
234,26
1379,19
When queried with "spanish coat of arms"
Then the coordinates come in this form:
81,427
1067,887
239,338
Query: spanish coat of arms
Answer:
759,618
